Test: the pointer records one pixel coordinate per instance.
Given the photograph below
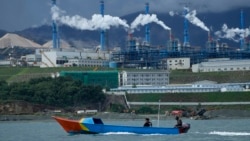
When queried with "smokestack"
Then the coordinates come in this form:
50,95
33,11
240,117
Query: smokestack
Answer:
170,35
242,27
55,38
209,36
147,30
102,34
186,34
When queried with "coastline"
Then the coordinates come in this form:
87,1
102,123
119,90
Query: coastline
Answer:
215,114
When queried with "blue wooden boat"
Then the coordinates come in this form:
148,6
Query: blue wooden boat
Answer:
96,126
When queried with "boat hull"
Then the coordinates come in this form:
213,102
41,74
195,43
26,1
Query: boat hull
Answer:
83,127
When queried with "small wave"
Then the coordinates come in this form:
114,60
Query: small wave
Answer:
230,133
153,134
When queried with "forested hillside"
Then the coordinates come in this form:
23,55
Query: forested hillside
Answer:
59,92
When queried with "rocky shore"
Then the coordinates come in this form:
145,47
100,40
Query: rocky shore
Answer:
215,114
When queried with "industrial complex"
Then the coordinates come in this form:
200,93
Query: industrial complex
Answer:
139,53
151,65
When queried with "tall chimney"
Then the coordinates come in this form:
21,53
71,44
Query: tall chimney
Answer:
102,34
242,27
55,37
186,34
147,30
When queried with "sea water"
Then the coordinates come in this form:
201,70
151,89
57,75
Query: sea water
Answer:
201,130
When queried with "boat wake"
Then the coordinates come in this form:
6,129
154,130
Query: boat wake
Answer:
119,133
129,133
230,133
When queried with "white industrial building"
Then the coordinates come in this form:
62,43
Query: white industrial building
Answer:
32,59
144,77
5,62
188,88
218,65
87,62
59,58
176,63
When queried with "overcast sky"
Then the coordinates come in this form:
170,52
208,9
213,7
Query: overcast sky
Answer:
20,14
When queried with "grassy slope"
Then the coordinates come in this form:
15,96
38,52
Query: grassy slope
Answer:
17,74
11,74
180,77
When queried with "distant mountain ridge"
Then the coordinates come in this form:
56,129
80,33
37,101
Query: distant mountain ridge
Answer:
159,36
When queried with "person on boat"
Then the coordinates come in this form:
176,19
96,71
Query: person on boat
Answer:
179,122
147,123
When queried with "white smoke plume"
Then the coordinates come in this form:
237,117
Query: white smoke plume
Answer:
144,19
97,21
171,13
235,34
191,16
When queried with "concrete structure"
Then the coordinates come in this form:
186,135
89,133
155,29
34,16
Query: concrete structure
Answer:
218,65
176,63
33,59
144,77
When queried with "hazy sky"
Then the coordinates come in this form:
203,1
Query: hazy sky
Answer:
20,14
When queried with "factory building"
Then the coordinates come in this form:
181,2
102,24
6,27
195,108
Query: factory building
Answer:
176,63
87,63
218,65
32,59
57,58
144,77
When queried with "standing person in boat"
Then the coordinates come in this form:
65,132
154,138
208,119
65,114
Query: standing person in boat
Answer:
147,123
179,122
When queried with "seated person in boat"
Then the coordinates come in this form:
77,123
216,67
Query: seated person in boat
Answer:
147,123
179,122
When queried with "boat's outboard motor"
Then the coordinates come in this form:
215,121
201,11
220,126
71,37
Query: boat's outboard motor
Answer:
185,127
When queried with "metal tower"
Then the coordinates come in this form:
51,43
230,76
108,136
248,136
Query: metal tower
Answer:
147,30
186,33
242,27
102,34
55,37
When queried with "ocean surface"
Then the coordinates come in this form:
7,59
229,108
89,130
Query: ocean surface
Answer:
201,130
